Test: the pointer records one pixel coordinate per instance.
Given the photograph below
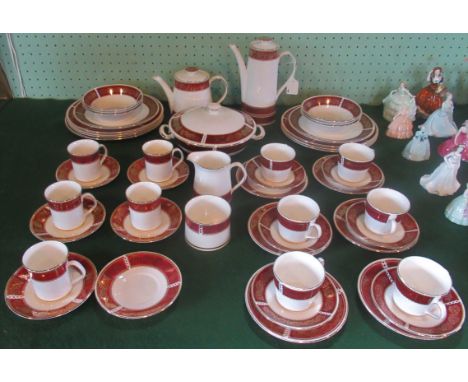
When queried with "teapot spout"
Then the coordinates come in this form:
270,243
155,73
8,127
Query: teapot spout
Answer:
167,90
242,68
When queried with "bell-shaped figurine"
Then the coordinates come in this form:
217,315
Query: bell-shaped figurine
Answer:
460,138
440,123
398,99
457,210
443,181
401,127
418,149
430,98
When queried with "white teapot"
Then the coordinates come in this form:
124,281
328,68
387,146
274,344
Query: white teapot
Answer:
192,88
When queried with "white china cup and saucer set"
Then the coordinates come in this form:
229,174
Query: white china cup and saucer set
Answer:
413,297
295,300
379,223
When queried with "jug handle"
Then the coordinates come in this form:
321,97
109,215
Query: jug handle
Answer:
226,86
293,61
244,175
166,132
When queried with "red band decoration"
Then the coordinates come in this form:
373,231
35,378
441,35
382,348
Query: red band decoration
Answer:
292,225
274,165
261,112
411,294
359,166
85,159
263,55
145,207
206,229
65,206
191,87
295,294
49,275
378,215
102,91
154,159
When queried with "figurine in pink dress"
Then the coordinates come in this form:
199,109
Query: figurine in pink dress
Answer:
443,181
440,123
401,126
460,138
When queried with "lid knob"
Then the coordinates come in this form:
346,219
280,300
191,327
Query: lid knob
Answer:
213,107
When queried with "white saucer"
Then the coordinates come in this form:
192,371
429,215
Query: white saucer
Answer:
129,118
58,233
387,239
274,231
161,228
269,183
265,189
139,288
425,321
144,178
336,177
104,175
311,311
328,132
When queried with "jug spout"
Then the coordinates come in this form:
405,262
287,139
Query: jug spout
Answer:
167,90
242,68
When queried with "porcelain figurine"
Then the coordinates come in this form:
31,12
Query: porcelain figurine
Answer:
460,138
401,126
398,99
457,210
259,79
440,123
418,149
443,181
430,98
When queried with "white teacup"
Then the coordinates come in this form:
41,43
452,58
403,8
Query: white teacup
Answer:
298,277
144,203
384,207
354,161
85,158
276,160
207,222
65,202
420,284
47,263
296,218
158,159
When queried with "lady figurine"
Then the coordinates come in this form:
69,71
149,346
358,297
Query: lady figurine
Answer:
460,138
440,123
418,149
430,98
401,126
398,99
457,210
443,181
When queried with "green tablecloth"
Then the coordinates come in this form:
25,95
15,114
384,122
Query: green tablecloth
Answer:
210,311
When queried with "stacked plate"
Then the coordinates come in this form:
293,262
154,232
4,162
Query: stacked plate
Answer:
114,112
324,123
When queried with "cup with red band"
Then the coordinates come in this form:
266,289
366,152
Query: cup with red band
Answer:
207,222
383,210
296,218
86,159
298,277
144,204
47,264
420,283
354,161
65,202
276,160
158,155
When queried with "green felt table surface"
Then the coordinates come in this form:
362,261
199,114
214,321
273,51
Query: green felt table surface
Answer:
210,311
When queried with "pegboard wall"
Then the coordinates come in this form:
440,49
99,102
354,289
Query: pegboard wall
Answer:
364,67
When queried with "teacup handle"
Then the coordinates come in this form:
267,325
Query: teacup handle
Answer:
311,228
181,154
244,175
393,222
89,196
81,269
226,86
434,303
104,152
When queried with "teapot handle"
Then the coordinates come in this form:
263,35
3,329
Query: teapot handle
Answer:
226,86
293,61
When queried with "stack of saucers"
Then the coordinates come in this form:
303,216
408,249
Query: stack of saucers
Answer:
325,122
113,112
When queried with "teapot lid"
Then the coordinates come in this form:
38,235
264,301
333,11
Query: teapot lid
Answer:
191,75
264,44
213,119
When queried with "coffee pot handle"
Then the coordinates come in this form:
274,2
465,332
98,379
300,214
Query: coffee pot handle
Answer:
293,62
226,86
244,175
